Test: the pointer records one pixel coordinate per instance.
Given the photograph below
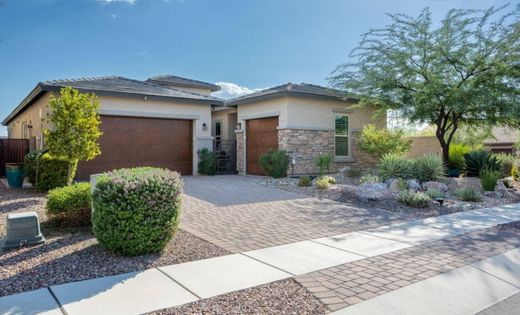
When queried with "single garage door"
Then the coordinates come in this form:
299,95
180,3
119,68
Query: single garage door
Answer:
136,141
262,136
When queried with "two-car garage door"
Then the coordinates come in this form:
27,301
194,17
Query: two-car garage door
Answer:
137,141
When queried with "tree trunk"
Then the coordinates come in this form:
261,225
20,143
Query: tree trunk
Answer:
71,171
444,146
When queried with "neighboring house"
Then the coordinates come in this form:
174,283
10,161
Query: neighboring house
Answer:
165,120
503,141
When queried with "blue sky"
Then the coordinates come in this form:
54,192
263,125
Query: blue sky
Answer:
251,43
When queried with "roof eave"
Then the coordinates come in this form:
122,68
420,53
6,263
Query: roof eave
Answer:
251,99
36,91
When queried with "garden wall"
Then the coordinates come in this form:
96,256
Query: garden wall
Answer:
422,145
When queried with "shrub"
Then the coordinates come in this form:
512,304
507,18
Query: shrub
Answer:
429,167
136,211
507,161
70,204
354,172
325,182
434,194
52,173
467,194
207,164
304,181
275,163
456,159
515,172
369,179
323,162
479,159
488,179
395,166
414,199
30,165
379,142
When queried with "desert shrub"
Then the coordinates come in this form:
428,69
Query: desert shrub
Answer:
304,181
507,161
30,165
136,211
489,178
275,163
369,179
379,142
479,159
323,162
515,171
71,205
207,162
395,166
413,199
467,194
354,172
434,194
52,173
429,167
325,182
456,159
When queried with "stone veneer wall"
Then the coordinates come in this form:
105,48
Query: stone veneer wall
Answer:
305,145
241,150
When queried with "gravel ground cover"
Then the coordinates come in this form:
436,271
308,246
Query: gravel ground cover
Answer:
281,297
70,256
344,191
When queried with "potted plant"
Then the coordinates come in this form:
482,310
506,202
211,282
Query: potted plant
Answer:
14,174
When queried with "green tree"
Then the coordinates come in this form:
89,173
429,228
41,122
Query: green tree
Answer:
378,142
75,120
465,71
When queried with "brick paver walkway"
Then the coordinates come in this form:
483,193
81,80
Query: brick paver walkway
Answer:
354,282
238,214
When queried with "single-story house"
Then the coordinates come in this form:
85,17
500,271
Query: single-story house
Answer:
163,121
503,140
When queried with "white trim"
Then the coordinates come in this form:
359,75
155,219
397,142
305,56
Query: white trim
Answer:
262,115
348,136
304,128
204,138
128,113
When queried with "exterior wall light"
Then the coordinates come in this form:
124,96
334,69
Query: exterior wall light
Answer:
204,127
239,126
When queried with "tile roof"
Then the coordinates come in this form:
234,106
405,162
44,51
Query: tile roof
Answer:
113,85
180,81
292,89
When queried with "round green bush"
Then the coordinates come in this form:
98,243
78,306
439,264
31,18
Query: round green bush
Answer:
71,205
136,211
275,163
52,173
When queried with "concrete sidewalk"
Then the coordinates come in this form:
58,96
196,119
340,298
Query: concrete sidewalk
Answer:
169,286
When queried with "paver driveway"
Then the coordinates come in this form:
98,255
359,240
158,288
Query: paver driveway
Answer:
238,214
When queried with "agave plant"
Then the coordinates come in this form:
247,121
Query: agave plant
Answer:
430,167
395,166
480,159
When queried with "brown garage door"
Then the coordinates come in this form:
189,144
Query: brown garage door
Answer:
262,135
136,141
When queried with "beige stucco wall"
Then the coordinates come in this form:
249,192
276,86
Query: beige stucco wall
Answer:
131,106
228,119
36,116
424,145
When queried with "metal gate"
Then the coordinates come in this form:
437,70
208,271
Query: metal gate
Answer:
226,152
12,151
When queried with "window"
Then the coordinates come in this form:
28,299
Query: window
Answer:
218,134
24,130
341,135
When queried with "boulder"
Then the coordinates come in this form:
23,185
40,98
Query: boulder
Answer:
413,184
508,182
435,185
396,186
372,191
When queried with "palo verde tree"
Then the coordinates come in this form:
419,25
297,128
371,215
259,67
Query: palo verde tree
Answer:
75,128
464,70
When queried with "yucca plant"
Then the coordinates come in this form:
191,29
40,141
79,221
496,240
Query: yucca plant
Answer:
430,167
467,194
489,178
414,199
480,159
395,166
434,194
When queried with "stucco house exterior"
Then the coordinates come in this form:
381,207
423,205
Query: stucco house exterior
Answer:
164,120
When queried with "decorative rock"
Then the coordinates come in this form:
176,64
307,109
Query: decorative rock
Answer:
435,185
397,185
345,169
372,191
493,194
413,184
501,188
508,182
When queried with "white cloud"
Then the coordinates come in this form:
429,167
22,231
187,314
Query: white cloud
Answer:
117,1
231,90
